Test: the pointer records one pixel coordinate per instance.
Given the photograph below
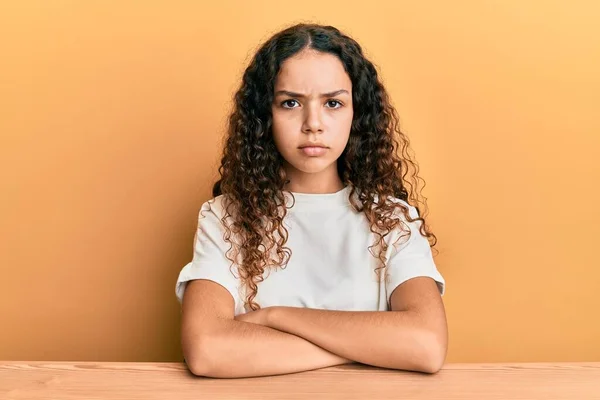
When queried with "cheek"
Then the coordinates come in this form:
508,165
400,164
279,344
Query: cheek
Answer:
283,126
280,137
342,129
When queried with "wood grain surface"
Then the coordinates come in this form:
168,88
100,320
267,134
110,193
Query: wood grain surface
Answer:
105,380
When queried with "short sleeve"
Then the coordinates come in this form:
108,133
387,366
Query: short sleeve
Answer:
411,258
209,260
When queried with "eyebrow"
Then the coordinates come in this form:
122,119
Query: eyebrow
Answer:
300,95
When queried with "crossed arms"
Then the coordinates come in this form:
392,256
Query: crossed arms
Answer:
279,340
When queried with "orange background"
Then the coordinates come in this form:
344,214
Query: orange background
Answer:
111,118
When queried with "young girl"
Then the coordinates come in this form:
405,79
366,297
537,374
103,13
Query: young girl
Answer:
312,252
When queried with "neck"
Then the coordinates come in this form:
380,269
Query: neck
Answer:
323,182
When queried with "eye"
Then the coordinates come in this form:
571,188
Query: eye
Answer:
334,104
286,103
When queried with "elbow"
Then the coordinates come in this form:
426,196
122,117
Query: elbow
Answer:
198,368
432,365
198,359
208,361
434,354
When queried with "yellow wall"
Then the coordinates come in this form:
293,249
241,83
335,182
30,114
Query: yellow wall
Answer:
111,114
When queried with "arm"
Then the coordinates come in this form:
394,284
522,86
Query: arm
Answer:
413,336
216,345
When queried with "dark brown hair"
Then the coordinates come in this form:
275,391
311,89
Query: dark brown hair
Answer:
252,176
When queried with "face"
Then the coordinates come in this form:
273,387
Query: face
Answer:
312,106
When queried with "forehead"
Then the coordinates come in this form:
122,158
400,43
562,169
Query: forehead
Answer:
311,71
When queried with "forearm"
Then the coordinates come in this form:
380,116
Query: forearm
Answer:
390,339
240,349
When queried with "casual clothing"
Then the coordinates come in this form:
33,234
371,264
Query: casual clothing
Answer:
330,265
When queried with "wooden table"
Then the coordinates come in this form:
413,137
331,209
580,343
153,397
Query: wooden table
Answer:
109,380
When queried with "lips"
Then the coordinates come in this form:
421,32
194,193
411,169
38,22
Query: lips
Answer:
313,151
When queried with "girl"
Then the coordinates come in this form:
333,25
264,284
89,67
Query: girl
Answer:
312,252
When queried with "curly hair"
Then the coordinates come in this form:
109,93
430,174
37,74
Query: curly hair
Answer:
252,176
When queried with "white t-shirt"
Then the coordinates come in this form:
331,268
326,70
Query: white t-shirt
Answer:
330,266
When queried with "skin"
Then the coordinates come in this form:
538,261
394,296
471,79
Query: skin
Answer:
312,104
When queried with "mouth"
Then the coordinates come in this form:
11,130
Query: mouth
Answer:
313,151
312,145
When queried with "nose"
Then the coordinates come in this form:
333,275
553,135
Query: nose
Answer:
312,120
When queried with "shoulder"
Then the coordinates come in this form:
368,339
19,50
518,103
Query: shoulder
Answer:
213,211
218,206
408,230
401,208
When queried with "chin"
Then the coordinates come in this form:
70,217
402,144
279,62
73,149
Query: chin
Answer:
312,167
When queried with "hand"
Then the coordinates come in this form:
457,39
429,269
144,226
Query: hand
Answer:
260,317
